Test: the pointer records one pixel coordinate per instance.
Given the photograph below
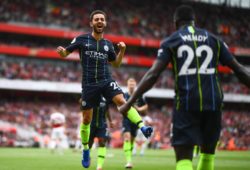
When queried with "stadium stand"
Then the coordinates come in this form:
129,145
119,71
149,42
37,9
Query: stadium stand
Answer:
136,21
61,71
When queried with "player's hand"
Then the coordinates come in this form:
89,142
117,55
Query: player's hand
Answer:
124,108
111,124
61,51
136,108
122,46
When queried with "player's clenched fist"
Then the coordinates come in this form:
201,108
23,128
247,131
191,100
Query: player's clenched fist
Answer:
122,46
62,51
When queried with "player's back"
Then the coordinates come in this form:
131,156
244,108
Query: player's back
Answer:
195,56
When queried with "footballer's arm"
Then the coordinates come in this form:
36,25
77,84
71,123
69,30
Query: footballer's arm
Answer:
241,72
117,62
62,51
146,83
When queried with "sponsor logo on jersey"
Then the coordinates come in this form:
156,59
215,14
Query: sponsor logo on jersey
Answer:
96,55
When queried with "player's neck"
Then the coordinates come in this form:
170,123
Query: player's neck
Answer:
97,36
183,24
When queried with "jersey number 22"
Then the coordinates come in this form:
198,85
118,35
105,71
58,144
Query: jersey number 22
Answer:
185,70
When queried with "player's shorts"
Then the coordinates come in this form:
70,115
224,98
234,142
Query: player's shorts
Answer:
91,94
58,133
196,128
128,126
98,132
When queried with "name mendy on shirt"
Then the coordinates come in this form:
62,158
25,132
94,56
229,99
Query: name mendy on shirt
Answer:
189,37
97,55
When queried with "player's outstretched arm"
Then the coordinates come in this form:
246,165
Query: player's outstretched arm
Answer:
241,72
62,51
118,60
145,84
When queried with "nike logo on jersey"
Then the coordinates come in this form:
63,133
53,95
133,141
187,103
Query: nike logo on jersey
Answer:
87,45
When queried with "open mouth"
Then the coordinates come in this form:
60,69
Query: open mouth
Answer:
99,26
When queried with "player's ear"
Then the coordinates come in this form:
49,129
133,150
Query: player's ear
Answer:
91,24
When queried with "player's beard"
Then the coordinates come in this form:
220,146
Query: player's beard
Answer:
98,30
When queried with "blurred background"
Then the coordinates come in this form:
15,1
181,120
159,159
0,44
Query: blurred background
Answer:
34,81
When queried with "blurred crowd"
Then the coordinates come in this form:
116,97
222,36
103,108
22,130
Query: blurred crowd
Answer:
40,70
61,71
36,114
236,130
146,18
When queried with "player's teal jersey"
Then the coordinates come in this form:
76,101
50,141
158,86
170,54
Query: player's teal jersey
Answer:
195,54
94,55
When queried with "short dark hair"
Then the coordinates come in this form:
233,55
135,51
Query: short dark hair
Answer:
97,12
184,13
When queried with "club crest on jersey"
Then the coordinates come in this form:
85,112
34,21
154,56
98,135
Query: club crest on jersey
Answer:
84,103
106,48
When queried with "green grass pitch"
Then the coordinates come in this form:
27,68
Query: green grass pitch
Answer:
43,159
